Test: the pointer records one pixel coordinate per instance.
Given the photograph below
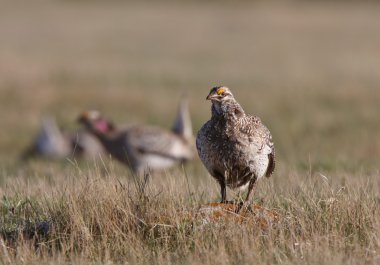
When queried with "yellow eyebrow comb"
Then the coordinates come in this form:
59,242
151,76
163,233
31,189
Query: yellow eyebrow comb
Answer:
220,91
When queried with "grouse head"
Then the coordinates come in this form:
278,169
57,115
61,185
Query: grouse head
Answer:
94,121
223,102
219,94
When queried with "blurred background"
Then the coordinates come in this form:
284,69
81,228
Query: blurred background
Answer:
309,69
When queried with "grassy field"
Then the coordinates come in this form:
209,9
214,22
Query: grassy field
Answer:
310,71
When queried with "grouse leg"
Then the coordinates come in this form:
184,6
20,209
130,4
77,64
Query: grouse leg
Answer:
251,188
248,200
223,191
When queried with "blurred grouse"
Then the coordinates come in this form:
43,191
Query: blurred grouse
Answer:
145,147
54,143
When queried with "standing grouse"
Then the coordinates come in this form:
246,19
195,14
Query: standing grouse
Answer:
236,148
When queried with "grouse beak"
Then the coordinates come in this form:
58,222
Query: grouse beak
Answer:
211,97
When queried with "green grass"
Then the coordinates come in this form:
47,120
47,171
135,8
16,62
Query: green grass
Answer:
310,71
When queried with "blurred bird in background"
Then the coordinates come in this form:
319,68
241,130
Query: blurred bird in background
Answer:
143,147
52,142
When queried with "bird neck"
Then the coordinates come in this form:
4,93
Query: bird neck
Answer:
101,136
227,109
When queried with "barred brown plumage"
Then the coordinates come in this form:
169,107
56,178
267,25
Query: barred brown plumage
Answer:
236,148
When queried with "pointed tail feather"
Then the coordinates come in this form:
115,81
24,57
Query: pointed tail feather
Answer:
182,124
